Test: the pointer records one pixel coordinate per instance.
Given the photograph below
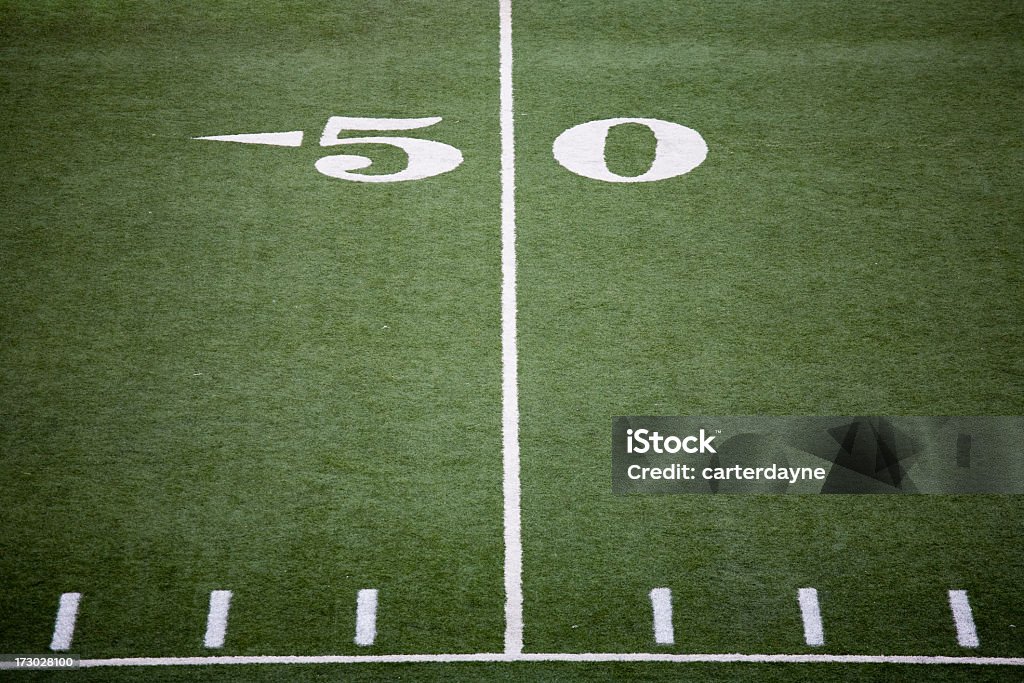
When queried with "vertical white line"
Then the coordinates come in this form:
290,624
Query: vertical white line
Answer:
661,603
64,628
217,619
509,352
966,634
366,617
814,632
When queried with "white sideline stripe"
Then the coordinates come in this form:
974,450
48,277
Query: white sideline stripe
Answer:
64,627
509,351
966,634
217,619
661,603
292,138
501,657
814,633
366,617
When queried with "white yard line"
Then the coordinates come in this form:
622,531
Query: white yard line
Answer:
366,617
661,604
64,627
500,657
509,351
814,632
966,634
217,619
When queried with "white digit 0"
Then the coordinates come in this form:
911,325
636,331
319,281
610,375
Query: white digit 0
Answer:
581,149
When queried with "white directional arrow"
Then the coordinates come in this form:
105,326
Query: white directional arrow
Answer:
290,139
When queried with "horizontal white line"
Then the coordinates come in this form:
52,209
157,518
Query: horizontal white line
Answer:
292,138
500,657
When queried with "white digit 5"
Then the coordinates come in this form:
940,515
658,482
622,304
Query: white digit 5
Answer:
426,157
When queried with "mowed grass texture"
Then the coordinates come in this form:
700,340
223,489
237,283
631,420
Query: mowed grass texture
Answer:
223,370
851,245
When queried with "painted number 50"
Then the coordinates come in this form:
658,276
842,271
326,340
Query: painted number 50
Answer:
580,149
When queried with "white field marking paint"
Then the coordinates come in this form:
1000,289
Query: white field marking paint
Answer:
661,603
581,149
336,124
814,633
509,351
966,634
64,627
290,139
366,617
500,657
217,619
426,158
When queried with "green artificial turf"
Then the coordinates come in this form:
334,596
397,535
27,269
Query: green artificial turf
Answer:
223,370
220,369
851,245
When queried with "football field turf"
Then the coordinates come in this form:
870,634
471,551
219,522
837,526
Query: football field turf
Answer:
225,369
